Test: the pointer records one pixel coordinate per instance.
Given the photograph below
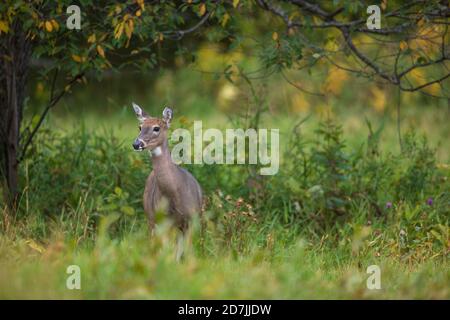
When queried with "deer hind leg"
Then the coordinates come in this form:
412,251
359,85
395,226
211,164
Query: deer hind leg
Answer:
184,240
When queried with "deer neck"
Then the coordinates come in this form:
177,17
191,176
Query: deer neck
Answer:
164,168
161,156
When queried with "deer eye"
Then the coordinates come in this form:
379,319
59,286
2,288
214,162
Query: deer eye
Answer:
156,129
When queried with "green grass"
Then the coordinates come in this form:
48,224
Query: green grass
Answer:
310,231
133,268
82,206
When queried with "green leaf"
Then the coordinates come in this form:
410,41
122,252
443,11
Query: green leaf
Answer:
128,210
118,191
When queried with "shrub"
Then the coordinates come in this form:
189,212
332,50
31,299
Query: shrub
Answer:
324,191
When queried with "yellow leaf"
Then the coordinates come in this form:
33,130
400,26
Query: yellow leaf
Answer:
202,9
3,26
335,81
55,24
118,9
235,3
379,99
433,89
300,103
127,30
35,246
76,58
291,31
293,15
100,51
417,75
138,13
331,45
140,3
275,36
91,38
48,26
129,26
225,19
443,166
118,30
403,45
161,37
421,22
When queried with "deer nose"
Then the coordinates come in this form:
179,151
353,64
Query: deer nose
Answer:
138,144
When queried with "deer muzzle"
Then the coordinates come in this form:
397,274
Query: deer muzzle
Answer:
138,145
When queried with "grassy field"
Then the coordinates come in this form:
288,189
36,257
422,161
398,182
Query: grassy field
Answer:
344,199
132,268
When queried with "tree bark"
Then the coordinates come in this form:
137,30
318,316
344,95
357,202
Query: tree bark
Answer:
15,51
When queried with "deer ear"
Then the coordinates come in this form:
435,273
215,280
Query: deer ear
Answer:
140,114
167,115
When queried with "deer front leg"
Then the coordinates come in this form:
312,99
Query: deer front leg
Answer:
150,211
151,199
184,244
151,223
180,246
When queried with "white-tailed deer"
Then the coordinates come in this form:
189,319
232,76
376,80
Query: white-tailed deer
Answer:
167,180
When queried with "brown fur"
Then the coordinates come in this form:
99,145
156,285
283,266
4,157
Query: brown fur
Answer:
167,180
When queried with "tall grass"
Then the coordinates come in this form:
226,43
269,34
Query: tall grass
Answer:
309,231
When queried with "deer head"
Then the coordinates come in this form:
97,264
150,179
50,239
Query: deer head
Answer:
152,131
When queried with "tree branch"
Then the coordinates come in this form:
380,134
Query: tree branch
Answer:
178,34
52,102
300,88
347,28
425,84
364,58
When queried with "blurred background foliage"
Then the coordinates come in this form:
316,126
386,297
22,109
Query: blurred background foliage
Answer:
364,174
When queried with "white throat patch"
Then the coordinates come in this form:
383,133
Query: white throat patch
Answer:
156,152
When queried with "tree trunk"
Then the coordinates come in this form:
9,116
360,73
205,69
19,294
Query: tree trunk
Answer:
15,51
